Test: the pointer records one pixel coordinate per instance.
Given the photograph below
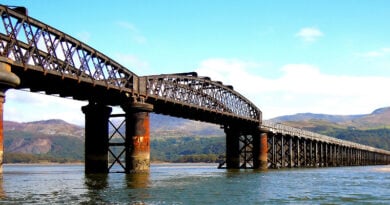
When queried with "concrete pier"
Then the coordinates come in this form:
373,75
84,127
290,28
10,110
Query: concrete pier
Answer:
96,137
7,80
137,141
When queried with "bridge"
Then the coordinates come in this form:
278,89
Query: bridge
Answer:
39,58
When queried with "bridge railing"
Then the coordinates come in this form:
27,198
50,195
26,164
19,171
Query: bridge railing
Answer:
300,133
203,93
35,45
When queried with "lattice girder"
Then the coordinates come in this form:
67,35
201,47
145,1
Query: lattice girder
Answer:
32,43
201,93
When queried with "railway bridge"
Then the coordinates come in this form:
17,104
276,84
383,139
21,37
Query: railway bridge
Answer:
39,58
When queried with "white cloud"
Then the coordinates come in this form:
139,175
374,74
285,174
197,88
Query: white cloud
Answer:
309,34
300,88
83,36
25,106
136,34
133,63
376,53
231,71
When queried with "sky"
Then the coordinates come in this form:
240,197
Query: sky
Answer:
287,57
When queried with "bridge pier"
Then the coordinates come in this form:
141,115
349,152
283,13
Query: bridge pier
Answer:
7,80
232,147
137,143
96,141
261,161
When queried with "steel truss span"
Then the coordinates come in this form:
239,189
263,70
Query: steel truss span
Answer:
201,94
290,147
48,60
35,45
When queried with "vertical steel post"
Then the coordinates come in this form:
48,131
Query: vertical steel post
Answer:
7,80
137,142
274,162
298,154
320,161
282,152
326,157
305,152
311,154
290,149
314,147
96,137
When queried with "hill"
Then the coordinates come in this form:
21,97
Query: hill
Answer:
166,126
59,141
49,140
378,119
180,140
371,129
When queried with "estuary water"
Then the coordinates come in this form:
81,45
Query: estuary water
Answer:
195,184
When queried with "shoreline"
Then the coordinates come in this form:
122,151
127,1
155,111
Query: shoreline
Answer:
82,163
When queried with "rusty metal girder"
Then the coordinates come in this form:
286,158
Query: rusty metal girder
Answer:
202,93
33,44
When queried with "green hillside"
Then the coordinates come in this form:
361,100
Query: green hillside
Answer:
58,141
188,149
180,140
371,129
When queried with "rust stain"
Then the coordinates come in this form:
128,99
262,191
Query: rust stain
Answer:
141,143
263,157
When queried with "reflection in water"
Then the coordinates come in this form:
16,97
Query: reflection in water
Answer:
2,193
138,184
195,184
132,188
96,181
137,180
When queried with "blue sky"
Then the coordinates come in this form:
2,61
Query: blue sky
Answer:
287,57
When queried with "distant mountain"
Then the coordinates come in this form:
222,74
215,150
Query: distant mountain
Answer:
369,129
379,118
49,140
57,140
176,139
166,126
46,127
312,116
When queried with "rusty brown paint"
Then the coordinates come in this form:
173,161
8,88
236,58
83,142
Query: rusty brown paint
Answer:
141,142
140,153
138,137
1,132
7,80
263,156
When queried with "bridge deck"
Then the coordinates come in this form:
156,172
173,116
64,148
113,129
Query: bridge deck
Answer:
48,60
278,128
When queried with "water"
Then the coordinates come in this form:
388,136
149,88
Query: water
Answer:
195,184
